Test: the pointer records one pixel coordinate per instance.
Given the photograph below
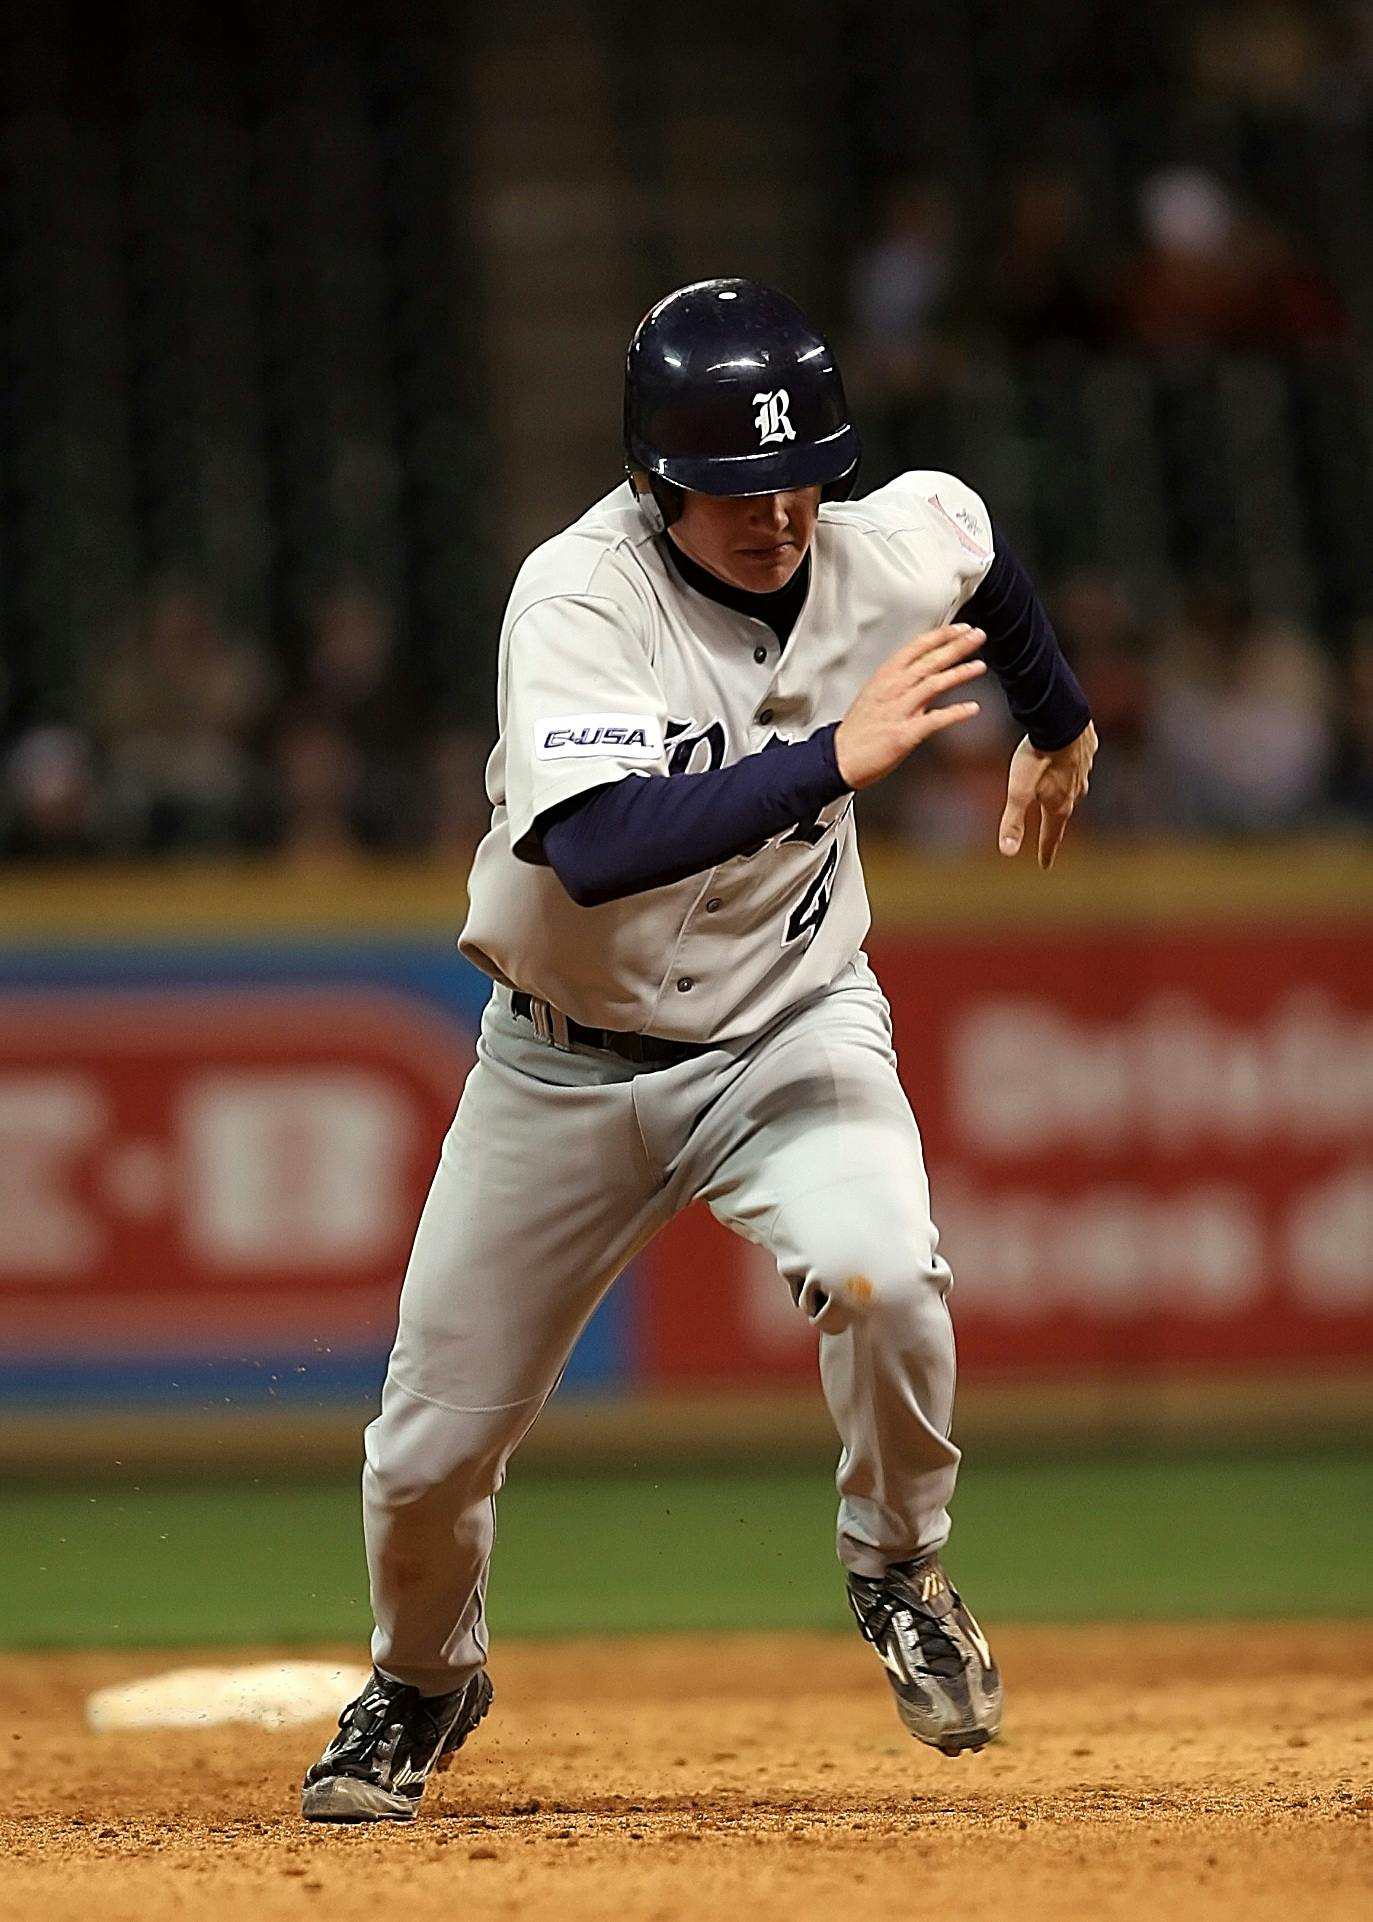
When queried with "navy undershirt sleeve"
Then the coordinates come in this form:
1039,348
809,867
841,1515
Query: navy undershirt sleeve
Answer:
1022,650
637,833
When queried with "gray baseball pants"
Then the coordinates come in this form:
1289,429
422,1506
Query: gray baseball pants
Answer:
558,1168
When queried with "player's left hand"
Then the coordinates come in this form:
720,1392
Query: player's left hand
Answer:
1055,783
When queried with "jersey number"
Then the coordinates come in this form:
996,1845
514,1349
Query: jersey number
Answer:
814,904
683,745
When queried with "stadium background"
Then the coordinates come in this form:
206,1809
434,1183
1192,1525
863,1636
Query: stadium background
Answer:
310,326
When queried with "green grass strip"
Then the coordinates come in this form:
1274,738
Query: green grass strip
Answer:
154,1563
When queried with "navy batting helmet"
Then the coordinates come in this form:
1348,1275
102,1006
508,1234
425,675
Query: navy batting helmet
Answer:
730,390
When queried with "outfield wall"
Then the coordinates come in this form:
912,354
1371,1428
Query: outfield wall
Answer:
1145,1085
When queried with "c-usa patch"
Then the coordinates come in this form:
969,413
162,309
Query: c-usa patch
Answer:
612,737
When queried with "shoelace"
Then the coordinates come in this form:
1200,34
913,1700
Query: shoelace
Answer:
943,1661
378,1710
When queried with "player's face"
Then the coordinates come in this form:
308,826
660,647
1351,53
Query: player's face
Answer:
756,543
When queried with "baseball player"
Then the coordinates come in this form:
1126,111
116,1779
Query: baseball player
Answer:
694,680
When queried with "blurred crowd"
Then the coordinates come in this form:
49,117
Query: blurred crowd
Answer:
195,741
1214,721
1205,274
1217,717
1194,264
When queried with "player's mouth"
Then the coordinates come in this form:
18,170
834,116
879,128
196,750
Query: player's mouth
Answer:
767,553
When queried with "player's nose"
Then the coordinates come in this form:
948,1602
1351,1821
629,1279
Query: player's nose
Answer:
771,513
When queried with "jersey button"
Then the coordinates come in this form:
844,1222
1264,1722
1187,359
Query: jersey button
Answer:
714,904
685,984
760,654
764,716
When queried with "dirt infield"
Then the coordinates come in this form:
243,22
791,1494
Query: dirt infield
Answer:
1167,1774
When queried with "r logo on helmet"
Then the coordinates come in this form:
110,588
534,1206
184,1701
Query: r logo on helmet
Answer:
772,419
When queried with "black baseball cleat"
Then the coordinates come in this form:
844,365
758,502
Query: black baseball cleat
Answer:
947,1689
390,1741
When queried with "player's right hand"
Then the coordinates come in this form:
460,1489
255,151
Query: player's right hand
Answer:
893,713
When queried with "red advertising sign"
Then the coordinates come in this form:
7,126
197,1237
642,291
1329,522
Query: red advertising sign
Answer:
177,1164
1144,1148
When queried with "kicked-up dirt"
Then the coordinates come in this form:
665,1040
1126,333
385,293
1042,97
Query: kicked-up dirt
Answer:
1167,1774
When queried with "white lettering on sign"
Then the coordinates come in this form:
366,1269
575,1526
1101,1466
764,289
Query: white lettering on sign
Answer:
1330,1241
1112,1250
1027,1076
619,737
47,1122
293,1168
1109,1252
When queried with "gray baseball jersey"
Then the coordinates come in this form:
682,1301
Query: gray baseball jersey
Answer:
562,1163
610,665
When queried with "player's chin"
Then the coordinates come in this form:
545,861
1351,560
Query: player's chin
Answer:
764,568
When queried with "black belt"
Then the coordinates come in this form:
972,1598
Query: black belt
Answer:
647,1049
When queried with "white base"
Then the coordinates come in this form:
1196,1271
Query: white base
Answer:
271,1694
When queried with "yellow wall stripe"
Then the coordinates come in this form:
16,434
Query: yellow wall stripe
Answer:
1297,881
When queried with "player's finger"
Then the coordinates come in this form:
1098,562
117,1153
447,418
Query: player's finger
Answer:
1053,825
930,686
1012,830
956,647
921,644
935,719
919,680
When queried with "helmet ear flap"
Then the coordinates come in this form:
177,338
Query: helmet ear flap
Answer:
839,490
669,499
646,504
661,505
